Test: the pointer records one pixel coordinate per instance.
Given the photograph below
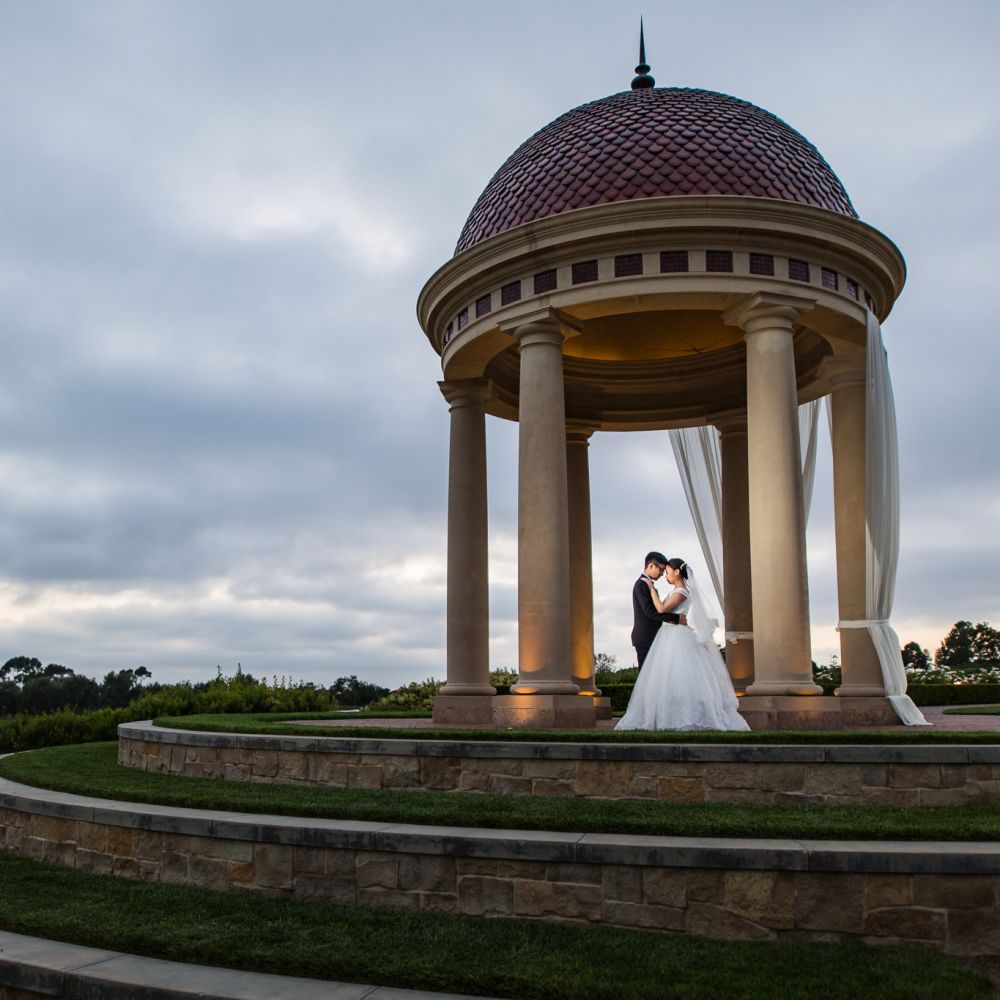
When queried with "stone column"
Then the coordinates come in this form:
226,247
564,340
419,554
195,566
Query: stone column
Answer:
736,551
581,575
782,659
468,579
543,528
862,675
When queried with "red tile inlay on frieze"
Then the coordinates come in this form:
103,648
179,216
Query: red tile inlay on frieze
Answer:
649,143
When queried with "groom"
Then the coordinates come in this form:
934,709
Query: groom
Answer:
647,619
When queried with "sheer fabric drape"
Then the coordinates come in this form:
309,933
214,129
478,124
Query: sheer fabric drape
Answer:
699,461
698,454
882,520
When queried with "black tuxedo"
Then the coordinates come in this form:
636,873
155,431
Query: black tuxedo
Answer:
647,620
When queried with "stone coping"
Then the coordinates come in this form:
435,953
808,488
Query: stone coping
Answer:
885,857
723,753
38,967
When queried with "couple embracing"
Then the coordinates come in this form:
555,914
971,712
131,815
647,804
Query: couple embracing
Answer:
683,682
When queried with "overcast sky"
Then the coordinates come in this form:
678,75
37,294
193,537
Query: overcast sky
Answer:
221,438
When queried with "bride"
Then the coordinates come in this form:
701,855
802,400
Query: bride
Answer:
684,683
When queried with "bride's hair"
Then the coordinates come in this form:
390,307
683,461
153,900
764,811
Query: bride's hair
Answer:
681,566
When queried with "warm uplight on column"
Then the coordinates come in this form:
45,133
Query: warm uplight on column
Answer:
782,658
468,578
543,529
581,575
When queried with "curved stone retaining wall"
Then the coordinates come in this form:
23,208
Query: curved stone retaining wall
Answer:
35,969
942,895
928,775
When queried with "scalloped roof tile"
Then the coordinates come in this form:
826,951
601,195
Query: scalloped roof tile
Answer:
653,142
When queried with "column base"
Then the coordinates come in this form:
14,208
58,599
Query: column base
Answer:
468,689
791,712
544,688
463,710
544,711
867,711
860,691
779,689
602,708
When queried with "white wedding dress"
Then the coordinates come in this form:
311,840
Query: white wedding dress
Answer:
683,684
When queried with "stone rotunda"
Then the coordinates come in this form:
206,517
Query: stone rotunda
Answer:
658,259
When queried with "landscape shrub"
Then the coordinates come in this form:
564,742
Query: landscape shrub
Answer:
954,694
29,732
240,693
417,696
618,693
503,677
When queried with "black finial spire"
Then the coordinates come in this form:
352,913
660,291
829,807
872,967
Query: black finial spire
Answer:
643,80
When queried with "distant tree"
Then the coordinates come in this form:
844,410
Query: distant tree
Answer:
80,693
10,698
985,644
605,661
119,687
51,693
21,668
607,670
967,643
956,648
354,693
29,687
915,657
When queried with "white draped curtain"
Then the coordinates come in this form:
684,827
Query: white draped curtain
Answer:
699,461
882,523
698,454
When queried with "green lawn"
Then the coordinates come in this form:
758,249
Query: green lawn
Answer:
974,710
498,958
281,724
90,769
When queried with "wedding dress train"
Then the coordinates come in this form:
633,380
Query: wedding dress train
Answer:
683,684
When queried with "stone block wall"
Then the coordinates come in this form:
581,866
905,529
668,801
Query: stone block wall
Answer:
945,896
832,775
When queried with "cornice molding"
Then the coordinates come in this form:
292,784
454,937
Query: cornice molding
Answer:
736,216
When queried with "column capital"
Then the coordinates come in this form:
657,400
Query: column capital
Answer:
542,326
843,371
731,422
766,310
579,432
466,392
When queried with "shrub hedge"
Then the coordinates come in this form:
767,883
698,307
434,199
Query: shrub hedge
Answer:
236,694
29,732
954,694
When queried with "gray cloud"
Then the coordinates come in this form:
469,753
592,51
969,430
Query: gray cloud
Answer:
220,434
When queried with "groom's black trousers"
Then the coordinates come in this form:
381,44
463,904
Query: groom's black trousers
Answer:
642,652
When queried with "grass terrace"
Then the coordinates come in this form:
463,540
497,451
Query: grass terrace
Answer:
91,769
529,960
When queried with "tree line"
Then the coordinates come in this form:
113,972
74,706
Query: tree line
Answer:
965,644
27,687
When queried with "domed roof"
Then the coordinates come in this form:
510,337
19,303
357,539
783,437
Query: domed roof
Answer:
648,143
